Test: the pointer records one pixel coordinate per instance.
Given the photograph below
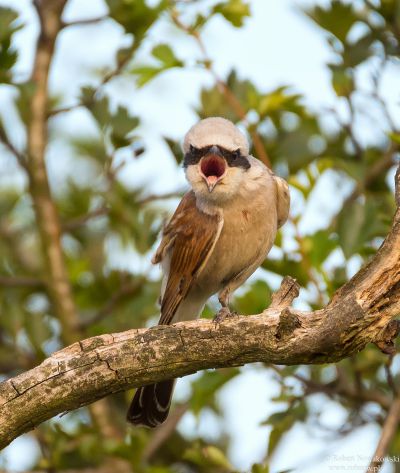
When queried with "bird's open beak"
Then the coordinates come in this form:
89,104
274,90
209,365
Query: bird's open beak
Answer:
212,168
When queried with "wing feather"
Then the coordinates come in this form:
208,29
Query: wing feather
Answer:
188,239
283,200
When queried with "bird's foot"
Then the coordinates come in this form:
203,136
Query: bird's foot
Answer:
222,314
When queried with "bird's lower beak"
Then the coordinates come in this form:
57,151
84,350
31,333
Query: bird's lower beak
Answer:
212,169
211,182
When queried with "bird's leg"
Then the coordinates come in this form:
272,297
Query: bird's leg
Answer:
224,312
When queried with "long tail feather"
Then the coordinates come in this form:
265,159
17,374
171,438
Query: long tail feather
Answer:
150,405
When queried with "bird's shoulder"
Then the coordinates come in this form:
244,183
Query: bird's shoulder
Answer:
282,199
268,180
189,225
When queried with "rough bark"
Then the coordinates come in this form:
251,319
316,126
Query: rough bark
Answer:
362,311
48,223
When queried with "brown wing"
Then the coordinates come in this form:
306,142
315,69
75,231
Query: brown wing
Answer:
283,200
189,238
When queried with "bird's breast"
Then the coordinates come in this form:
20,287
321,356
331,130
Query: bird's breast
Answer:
247,235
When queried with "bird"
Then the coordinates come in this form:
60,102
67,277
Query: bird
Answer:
220,233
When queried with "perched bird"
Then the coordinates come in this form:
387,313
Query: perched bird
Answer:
219,235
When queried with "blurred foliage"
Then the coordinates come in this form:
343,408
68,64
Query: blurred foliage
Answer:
103,216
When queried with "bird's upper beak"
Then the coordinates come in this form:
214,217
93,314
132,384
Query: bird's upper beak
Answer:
212,167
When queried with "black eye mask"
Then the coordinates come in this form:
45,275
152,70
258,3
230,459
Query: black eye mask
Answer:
232,158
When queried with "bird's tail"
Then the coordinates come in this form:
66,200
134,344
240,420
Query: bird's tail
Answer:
150,405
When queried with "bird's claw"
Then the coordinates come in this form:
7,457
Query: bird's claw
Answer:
222,314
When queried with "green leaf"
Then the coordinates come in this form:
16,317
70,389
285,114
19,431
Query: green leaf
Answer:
319,246
350,223
38,330
9,197
337,18
100,111
135,224
92,149
146,74
167,59
175,148
199,22
395,137
164,53
235,11
214,103
277,100
8,55
135,16
120,123
342,80
255,300
359,222
287,266
357,52
23,100
208,457
257,468
87,95
282,422
294,147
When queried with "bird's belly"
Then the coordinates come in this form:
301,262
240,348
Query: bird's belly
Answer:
245,240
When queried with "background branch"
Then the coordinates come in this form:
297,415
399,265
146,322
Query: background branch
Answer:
389,430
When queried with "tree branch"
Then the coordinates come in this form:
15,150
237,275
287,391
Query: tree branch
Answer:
49,12
359,313
389,430
48,222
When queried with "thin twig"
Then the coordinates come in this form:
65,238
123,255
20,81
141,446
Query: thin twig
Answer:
77,222
18,281
338,389
154,197
20,157
389,430
84,22
389,375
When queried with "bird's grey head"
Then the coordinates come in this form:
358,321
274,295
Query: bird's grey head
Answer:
216,158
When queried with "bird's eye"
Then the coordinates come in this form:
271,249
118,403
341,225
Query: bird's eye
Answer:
193,149
236,154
